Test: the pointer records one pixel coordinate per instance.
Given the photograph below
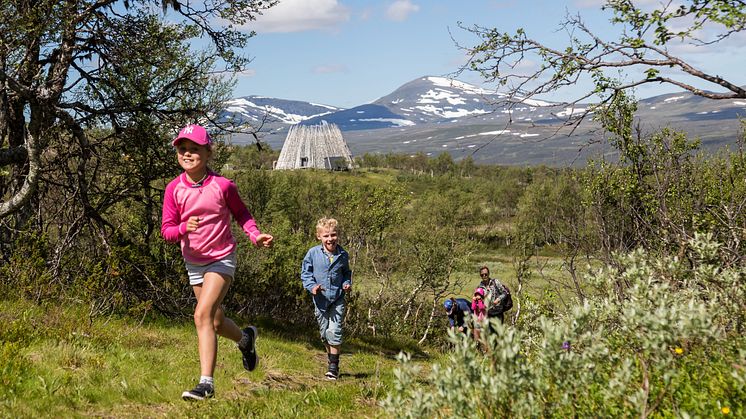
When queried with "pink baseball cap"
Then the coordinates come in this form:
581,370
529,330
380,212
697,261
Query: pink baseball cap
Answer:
193,132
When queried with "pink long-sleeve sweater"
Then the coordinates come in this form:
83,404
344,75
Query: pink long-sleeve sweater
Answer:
479,309
213,202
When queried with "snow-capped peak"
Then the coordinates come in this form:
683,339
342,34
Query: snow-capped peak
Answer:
464,87
259,108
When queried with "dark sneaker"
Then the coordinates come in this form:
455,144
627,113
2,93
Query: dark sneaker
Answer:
247,346
333,372
201,392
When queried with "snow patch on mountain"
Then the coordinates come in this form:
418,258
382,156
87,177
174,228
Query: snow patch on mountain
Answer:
534,102
392,121
331,108
447,113
436,95
502,131
570,112
255,108
240,105
465,87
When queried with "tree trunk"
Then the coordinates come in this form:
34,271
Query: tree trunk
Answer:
429,321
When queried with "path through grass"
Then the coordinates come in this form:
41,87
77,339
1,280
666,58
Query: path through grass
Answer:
55,362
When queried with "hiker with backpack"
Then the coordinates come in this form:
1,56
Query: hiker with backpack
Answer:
498,296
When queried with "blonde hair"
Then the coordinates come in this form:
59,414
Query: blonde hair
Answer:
326,223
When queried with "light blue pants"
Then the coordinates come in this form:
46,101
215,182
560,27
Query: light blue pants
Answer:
330,322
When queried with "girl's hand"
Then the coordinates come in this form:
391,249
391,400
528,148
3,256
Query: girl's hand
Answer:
192,224
316,289
346,287
264,240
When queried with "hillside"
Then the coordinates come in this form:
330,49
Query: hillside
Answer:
64,367
434,115
685,343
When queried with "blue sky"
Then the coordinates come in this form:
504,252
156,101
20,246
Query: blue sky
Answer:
350,52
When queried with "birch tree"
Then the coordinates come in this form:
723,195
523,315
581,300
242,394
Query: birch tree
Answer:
642,54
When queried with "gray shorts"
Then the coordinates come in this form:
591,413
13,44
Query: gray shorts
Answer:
225,266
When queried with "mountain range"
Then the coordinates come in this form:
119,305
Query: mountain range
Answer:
433,115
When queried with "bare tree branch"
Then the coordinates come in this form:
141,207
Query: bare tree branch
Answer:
641,55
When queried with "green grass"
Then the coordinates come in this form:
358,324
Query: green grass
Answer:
56,363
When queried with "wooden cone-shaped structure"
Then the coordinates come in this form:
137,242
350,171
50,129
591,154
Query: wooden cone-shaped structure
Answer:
314,146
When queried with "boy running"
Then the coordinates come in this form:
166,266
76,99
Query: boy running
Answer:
327,276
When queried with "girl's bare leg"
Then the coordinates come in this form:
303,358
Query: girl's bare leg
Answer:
210,319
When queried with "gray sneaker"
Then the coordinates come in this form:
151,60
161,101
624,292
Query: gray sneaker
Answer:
247,346
201,392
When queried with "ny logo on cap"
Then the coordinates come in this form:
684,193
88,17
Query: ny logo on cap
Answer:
188,129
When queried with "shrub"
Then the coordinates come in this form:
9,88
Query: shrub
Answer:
26,273
619,354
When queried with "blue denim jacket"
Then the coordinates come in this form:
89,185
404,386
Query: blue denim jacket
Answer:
317,269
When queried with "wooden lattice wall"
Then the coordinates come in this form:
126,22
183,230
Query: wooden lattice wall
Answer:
314,146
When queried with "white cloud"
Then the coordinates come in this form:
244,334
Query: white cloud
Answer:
301,15
401,9
249,72
366,14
